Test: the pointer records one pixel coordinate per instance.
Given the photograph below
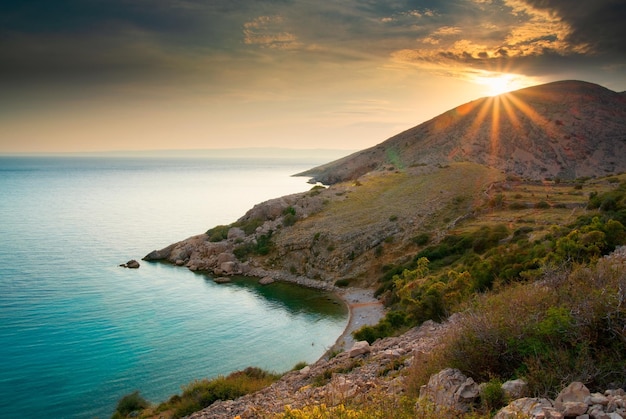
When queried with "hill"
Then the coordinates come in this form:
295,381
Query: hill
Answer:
421,183
506,225
565,129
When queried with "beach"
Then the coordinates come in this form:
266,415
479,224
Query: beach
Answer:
364,309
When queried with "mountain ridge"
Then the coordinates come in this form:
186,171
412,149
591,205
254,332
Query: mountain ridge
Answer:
563,129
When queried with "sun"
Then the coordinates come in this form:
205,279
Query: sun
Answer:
498,83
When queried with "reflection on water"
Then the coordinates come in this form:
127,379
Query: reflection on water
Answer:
293,298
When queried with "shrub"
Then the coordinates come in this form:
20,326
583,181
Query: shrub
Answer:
130,403
218,233
202,393
492,395
421,239
568,327
342,283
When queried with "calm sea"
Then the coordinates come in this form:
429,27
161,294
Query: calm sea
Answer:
77,332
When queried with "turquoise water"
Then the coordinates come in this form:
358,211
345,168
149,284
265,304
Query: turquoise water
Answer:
77,332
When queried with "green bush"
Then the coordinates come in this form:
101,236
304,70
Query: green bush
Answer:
554,333
218,233
262,247
492,396
130,403
202,393
342,283
421,239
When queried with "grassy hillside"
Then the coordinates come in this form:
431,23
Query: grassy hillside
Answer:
374,221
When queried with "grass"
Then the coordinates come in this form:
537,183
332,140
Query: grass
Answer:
197,395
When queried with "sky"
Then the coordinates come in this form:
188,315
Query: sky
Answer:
104,75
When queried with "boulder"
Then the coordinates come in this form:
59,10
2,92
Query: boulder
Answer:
526,407
515,389
225,257
266,280
221,280
359,348
572,399
450,388
228,268
236,233
132,264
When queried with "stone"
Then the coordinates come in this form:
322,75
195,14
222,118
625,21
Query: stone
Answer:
576,392
235,233
526,407
266,280
359,348
573,408
221,280
598,398
131,264
597,412
306,370
225,257
228,268
515,389
450,388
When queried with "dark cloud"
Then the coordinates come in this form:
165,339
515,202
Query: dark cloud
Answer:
598,23
65,40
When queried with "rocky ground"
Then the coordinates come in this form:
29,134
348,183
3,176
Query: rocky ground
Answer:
354,373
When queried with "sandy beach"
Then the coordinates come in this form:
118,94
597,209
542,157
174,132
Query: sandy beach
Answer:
364,308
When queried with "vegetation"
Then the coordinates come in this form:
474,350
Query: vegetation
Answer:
534,298
262,246
129,405
198,395
443,276
570,326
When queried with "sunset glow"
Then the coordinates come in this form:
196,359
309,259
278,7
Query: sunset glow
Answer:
197,74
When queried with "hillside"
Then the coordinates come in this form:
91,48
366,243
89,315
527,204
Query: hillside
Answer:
506,224
420,182
565,129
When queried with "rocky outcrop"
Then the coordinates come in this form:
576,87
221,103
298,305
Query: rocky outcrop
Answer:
451,389
131,264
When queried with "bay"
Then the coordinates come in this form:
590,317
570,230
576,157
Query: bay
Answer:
77,331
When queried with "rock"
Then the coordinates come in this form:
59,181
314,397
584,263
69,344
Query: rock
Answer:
570,409
266,280
225,257
221,280
306,370
575,393
526,407
228,268
160,254
236,233
359,348
598,398
515,389
131,264
451,389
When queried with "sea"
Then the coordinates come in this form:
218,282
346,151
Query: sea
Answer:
78,332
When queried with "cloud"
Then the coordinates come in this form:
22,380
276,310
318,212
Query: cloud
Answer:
520,35
269,32
598,23
179,39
